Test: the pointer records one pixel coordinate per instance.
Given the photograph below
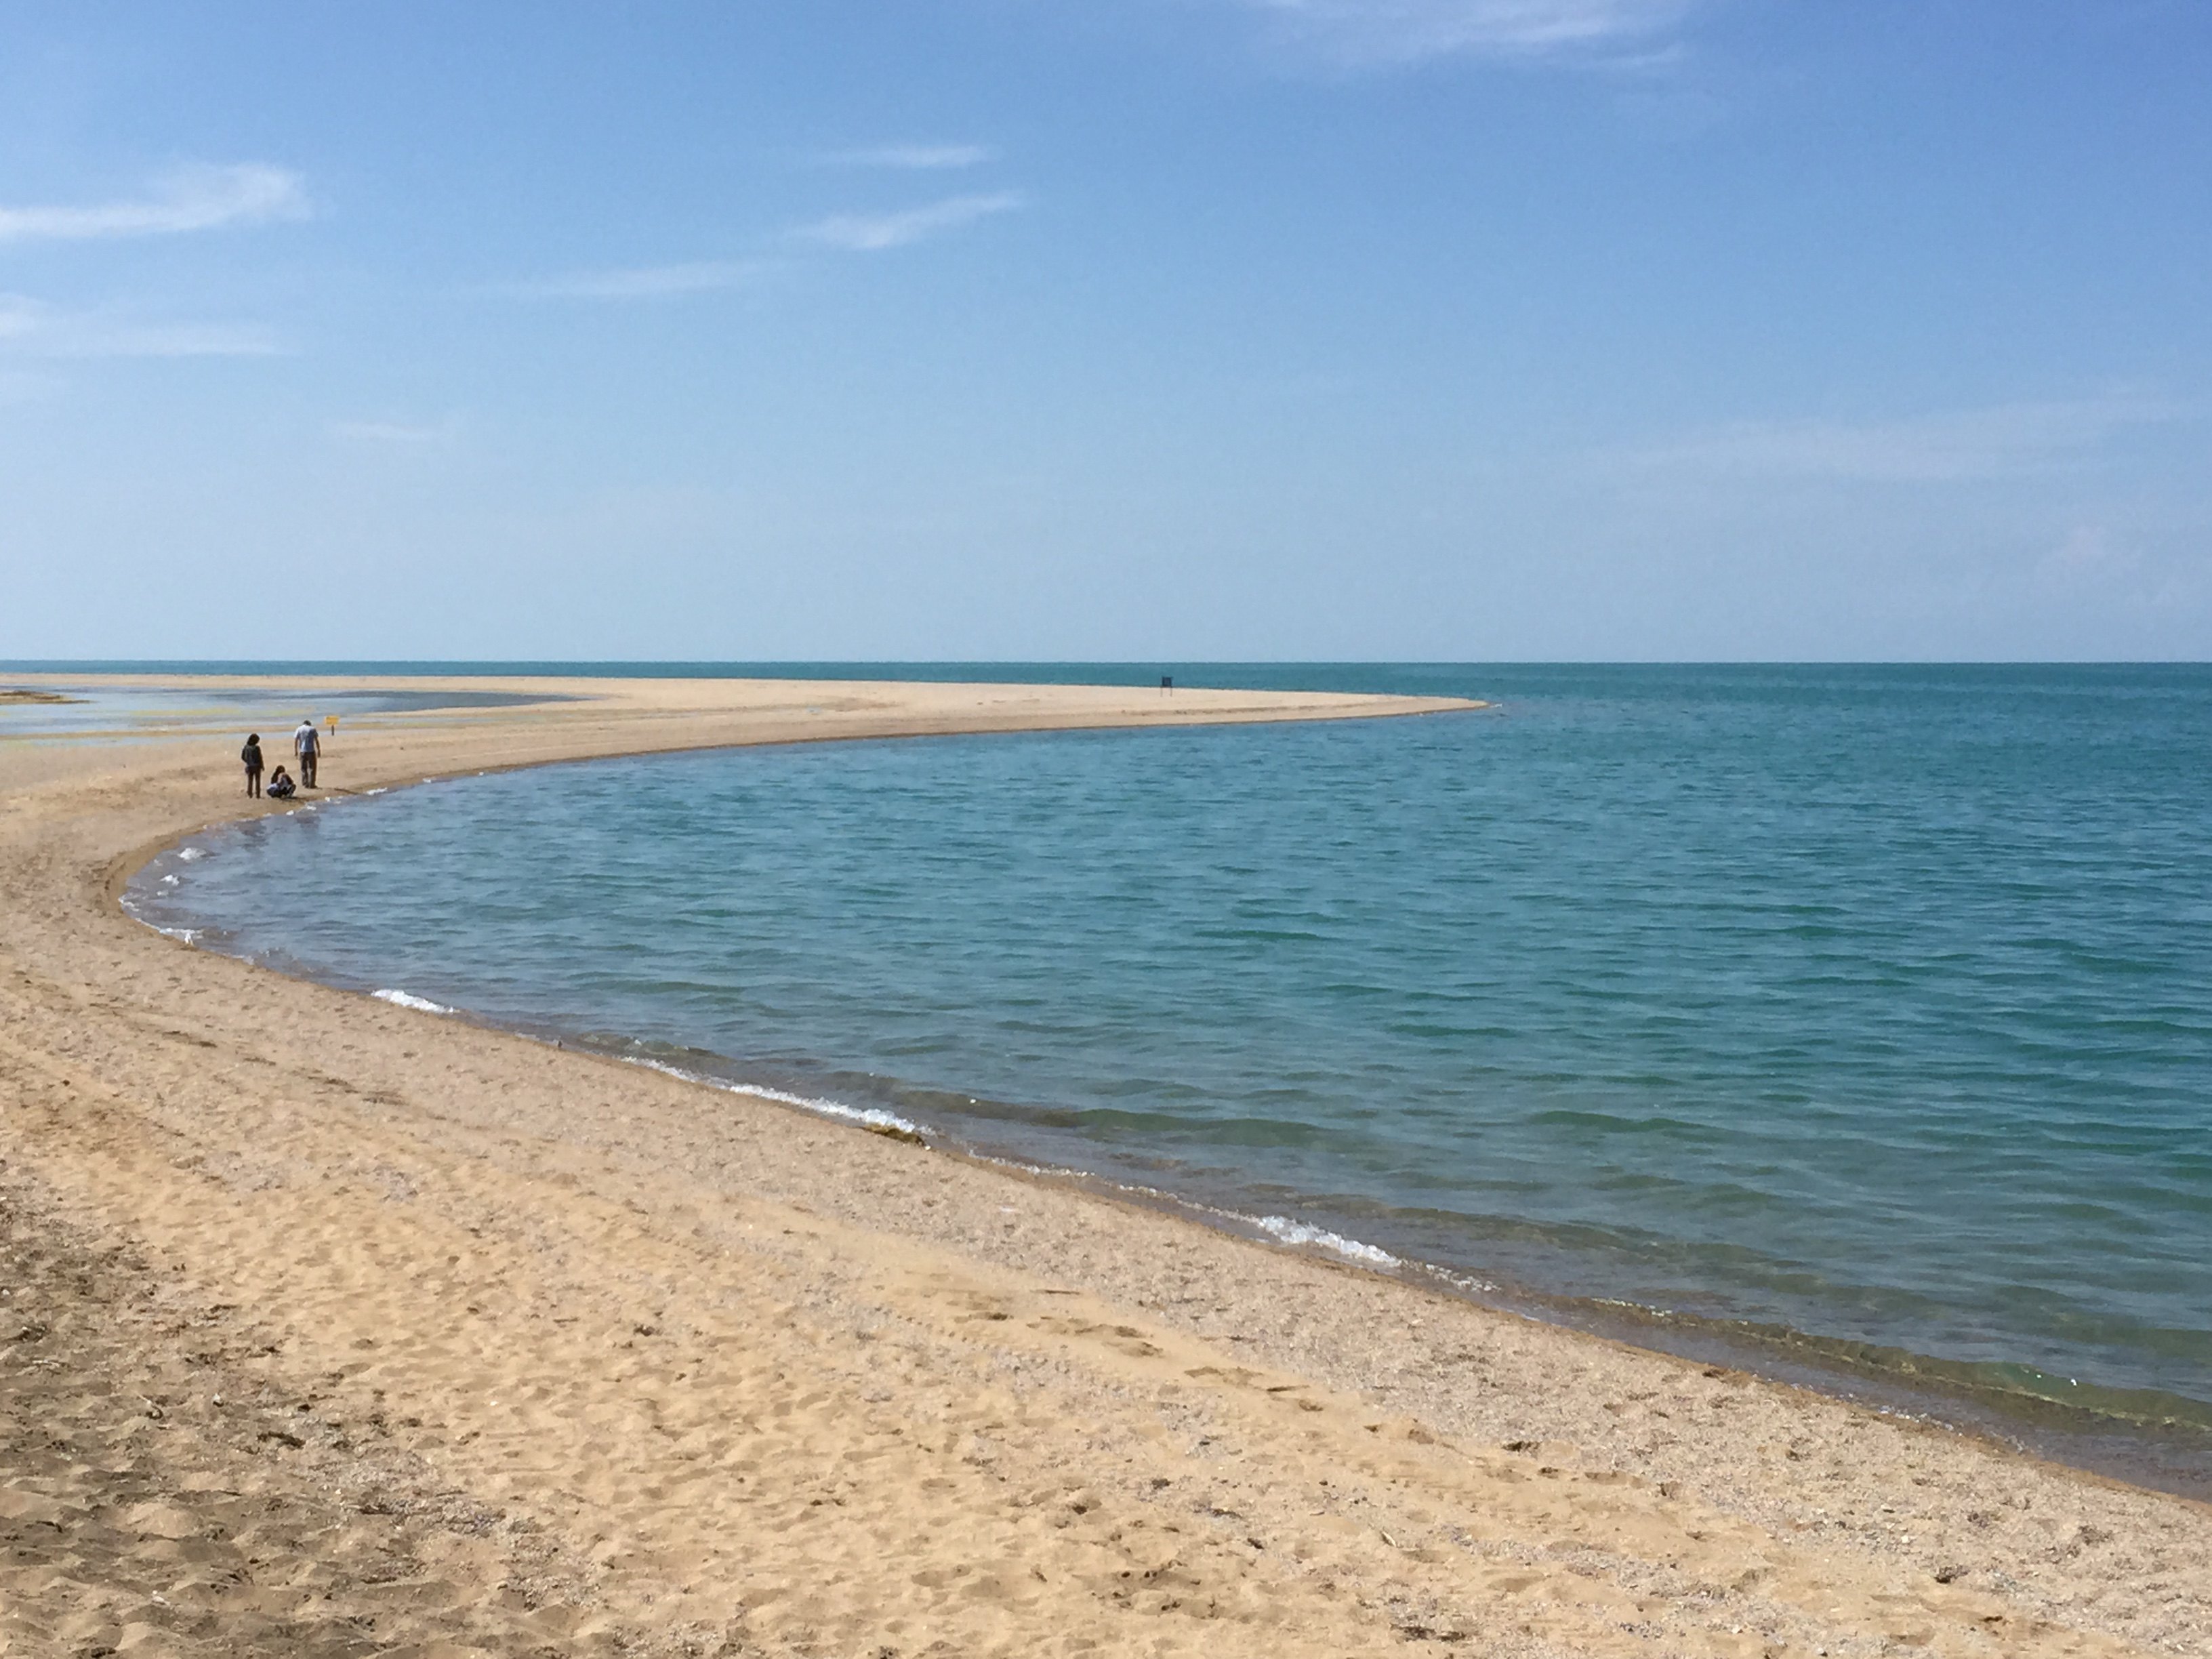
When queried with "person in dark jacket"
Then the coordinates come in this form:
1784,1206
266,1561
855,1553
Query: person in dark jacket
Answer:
252,756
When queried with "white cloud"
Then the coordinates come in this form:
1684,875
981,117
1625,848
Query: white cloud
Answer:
916,158
31,328
646,282
2003,440
850,232
871,232
399,433
191,198
1407,31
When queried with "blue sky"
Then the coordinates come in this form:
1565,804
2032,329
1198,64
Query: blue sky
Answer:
1149,329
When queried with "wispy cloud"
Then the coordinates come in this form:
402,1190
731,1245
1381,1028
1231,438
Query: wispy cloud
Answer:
872,233
189,199
32,328
1382,32
845,232
667,281
402,434
2003,440
913,158
20,318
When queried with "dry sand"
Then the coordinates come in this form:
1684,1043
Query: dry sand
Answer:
331,1327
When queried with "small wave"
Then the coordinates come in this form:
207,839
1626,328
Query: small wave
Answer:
1280,1228
1465,1284
186,855
1284,1230
1053,1171
404,999
869,1117
182,935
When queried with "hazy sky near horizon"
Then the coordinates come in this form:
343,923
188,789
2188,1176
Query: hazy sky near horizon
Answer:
1140,329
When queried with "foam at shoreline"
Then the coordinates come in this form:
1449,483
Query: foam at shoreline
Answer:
866,1116
405,999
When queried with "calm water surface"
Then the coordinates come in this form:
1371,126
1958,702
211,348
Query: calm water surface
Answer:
1869,1009
94,711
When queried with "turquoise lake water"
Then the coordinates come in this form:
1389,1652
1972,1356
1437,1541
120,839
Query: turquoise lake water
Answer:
1865,1013
94,711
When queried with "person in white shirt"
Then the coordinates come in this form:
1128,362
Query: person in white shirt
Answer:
308,746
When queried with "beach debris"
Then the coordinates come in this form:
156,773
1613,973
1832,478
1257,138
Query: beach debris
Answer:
1429,1633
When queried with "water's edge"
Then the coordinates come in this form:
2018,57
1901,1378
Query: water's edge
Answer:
2158,1443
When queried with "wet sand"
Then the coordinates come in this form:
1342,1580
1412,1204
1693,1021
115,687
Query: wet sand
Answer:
336,1327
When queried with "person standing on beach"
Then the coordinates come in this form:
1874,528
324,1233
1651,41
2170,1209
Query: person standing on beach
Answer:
252,756
307,744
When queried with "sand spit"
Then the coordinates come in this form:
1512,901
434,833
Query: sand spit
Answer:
336,1326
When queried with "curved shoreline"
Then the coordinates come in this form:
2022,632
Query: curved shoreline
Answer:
2144,1435
387,1181
2108,1442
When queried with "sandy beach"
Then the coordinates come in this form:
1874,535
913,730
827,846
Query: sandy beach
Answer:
332,1327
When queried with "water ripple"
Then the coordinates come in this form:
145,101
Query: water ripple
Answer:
1871,1006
